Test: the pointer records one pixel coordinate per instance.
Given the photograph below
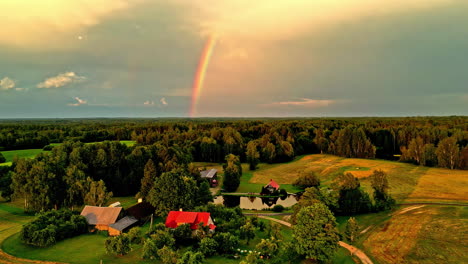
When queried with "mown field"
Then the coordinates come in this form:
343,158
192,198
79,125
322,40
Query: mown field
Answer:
408,182
31,153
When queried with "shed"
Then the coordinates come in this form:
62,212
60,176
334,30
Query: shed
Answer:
124,223
211,176
141,210
101,217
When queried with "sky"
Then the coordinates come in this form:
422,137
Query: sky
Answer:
233,58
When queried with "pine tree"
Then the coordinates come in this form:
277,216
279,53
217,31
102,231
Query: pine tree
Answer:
148,179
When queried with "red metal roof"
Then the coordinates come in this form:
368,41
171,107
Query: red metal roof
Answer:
273,184
176,218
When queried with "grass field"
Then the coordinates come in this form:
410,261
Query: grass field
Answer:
407,182
420,234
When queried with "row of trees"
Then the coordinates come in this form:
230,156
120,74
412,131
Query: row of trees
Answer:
259,140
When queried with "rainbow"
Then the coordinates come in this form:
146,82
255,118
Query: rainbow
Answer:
201,73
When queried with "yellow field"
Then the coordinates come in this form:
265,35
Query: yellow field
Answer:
421,234
407,182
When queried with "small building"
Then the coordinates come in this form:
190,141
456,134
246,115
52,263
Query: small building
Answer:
177,218
101,217
272,186
141,211
121,225
211,176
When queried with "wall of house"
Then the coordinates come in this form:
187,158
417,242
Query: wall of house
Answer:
114,232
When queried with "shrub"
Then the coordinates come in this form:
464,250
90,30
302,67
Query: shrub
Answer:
50,227
119,245
208,246
135,235
307,180
278,208
48,147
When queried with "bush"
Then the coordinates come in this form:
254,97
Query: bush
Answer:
2,158
278,208
307,180
208,246
50,227
48,147
135,235
119,245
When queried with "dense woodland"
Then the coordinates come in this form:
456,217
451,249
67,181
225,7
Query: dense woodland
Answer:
159,169
74,173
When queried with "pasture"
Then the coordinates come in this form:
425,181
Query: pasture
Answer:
408,182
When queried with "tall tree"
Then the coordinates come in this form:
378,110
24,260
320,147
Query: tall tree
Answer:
382,199
351,230
148,179
252,155
448,153
173,190
316,233
232,173
416,150
96,192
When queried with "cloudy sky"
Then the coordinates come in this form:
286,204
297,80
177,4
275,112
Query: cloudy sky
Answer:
139,58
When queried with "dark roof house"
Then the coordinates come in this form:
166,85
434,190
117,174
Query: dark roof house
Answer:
124,223
141,210
211,176
101,216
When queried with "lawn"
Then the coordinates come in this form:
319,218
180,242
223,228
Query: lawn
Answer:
23,153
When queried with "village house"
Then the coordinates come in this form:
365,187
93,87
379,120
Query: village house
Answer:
111,219
101,217
177,218
211,176
272,186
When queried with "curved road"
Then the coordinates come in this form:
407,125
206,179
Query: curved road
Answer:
353,250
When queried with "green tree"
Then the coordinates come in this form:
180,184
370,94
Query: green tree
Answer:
269,152
316,233
429,157
227,242
448,153
96,192
232,173
268,247
382,199
150,250
307,180
252,154
2,158
252,258
247,232
147,182
119,245
351,231
204,195
163,238
167,255
190,257
172,191
274,230
135,235
208,246
416,150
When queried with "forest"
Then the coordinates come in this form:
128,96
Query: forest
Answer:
175,143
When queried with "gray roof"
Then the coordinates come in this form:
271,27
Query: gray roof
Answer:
124,223
208,173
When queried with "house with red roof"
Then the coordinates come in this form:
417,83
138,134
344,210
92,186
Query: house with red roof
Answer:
272,186
177,218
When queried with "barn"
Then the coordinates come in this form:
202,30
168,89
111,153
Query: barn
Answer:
101,217
211,175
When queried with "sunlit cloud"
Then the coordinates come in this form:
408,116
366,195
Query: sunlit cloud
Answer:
34,24
79,102
7,84
163,101
61,80
304,102
279,19
148,103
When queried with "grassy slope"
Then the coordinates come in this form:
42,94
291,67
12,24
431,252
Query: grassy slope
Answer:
427,234
407,182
